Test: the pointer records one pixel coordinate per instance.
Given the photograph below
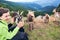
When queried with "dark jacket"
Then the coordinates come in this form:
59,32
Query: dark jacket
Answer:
21,35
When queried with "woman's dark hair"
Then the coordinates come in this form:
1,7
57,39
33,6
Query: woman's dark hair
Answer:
3,10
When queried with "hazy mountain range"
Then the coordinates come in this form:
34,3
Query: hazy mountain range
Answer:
34,5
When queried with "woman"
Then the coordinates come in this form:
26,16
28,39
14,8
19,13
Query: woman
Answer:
4,19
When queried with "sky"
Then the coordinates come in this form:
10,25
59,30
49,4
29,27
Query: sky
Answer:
22,0
41,1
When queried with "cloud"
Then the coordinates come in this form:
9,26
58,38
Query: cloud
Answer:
22,0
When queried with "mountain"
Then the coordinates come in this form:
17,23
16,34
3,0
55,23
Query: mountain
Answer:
30,5
35,6
27,6
48,2
48,8
11,5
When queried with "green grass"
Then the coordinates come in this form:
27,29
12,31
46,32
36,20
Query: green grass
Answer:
48,32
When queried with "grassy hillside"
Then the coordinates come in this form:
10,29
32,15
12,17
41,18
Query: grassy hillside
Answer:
49,31
11,5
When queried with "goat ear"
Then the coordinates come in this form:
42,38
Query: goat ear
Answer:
18,12
21,13
54,10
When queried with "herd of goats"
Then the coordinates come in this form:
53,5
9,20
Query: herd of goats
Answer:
31,19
